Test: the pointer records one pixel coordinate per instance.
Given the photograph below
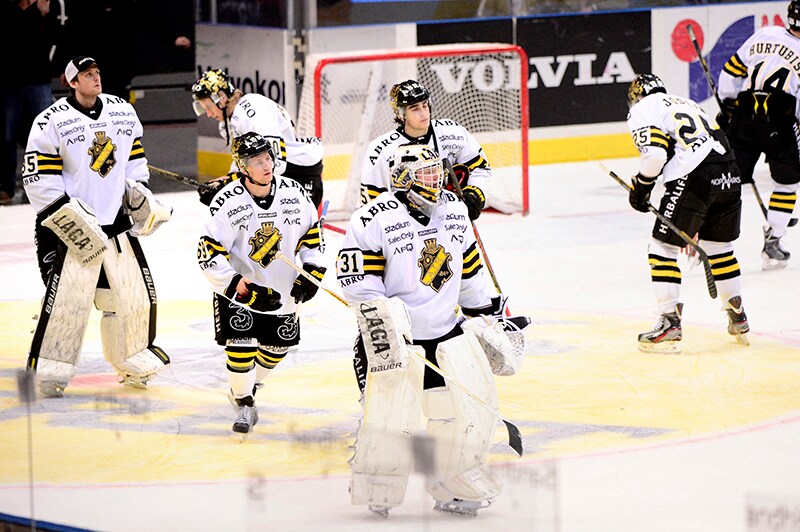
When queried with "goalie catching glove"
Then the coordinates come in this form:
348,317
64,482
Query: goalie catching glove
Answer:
503,341
639,195
146,211
258,298
303,288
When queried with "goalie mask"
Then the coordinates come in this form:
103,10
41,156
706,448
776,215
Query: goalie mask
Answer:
247,146
210,85
793,15
644,85
407,93
418,171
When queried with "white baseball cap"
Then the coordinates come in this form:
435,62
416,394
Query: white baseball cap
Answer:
79,64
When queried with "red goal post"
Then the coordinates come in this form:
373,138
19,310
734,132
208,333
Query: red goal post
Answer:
482,86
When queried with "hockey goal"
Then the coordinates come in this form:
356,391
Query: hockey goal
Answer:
345,102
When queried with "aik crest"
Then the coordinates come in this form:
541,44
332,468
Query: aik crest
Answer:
102,152
435,265
265,244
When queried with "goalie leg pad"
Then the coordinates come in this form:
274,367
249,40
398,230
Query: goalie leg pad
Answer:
129,313
392,406
77,226
462,428
63,318
147,212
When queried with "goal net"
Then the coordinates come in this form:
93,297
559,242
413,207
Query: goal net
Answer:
483,87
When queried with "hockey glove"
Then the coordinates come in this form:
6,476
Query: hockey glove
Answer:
303,289
258,298
724,116
639,195
475,201
208,190
461,172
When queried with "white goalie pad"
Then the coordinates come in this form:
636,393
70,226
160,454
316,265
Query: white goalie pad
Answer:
392,405
127,314
64,316
77,226
462,428
502,342
147,212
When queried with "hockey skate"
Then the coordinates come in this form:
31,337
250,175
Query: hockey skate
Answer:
737,321
52,388
246,417
461,507
665,335
133,381
774,255
380,509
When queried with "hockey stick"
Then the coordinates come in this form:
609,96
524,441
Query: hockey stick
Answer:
460,194
712,86
514,434
712,287
172,176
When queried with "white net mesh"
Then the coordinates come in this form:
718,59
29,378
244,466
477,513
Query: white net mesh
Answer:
345,101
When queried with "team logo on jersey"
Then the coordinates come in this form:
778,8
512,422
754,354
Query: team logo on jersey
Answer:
435,265
102,152
265,244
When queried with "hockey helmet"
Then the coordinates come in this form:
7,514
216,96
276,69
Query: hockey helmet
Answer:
210,85
643,85
407,93
418,171
249,145
793,15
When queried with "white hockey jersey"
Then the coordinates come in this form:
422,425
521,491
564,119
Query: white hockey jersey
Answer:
446,136
84,157
259,114
432,268
677,125
769,60
242,238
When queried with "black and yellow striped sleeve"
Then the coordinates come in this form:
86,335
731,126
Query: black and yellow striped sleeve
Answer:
658,138
374,262
735,67
311,239
137,150
370,192
472,262
210,248
49,164
476,162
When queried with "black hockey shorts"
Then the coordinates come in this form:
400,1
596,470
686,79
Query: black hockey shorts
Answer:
235,321
308,176
777,139
706,202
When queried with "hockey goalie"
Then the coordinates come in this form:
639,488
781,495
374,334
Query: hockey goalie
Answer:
85,173
408,260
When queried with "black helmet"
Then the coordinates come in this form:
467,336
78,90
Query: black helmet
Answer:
209,85
407,93
643,85
793,15
249,145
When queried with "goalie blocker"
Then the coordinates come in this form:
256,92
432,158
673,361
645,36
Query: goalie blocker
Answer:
118,282
461,428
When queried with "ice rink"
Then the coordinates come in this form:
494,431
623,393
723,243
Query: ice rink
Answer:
615,439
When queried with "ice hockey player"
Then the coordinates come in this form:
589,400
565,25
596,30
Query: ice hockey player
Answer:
85,173
254,217
759,86
214,95
409,258
412,106
702,197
